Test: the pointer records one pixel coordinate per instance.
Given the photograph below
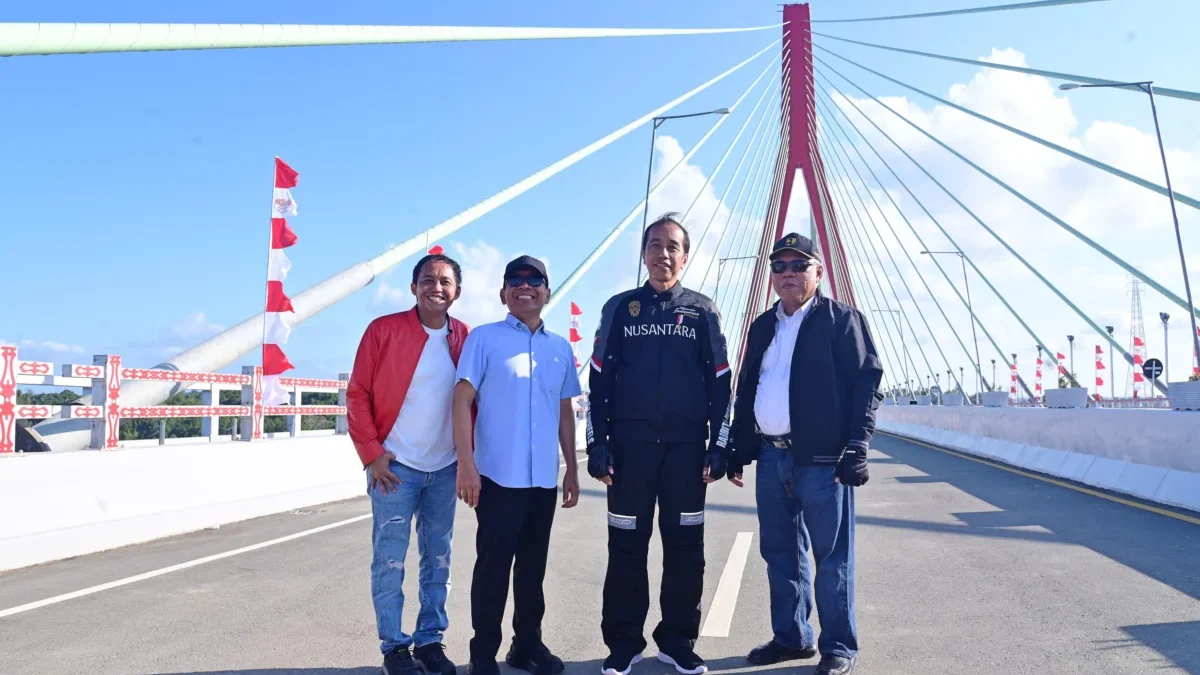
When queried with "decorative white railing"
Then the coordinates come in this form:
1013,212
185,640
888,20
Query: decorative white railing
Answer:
103,378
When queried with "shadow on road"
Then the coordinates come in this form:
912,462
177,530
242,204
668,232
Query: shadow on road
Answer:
1155,545
1175,641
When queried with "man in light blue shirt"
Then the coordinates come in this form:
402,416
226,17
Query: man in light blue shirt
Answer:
522,378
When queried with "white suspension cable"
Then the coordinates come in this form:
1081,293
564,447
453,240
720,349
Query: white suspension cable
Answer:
616,232
29,39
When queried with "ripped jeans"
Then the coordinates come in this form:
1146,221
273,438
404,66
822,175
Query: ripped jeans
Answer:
429,498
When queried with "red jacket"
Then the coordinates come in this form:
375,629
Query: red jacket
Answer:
383,368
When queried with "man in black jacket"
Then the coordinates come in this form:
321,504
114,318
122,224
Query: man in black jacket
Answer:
660,388
805,409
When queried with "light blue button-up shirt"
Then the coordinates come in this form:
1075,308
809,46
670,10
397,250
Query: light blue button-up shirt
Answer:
520,379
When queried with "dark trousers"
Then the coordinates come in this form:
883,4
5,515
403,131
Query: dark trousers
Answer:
672,475
801,506
514,523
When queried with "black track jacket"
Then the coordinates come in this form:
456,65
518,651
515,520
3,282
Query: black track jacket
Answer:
659,371
834,384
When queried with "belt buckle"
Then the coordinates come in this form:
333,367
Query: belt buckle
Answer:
781,443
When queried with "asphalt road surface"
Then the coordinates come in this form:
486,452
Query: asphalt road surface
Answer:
962,568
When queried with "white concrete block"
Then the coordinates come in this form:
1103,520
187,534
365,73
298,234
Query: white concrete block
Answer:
82,502
1010,452
1026,456
1046,460
1179,488
1075,466
1140,480
1104,472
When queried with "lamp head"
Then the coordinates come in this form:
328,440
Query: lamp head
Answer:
721,111
1164,316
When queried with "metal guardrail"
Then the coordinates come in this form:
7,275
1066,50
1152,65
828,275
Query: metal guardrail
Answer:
103,379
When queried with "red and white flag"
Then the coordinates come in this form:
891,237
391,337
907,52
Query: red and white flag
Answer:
1037,381
576,337
1060,357
280,316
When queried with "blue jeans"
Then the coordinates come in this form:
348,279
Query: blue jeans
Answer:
430,499
799,507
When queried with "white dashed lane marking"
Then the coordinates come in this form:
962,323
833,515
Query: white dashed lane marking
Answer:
724,602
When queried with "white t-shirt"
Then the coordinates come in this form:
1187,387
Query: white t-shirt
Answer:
423,435
772,402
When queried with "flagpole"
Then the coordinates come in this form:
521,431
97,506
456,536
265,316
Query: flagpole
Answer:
267,280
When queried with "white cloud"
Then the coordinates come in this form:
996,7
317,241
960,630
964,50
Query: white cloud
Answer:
387,294
194,325
1132,222
50,346
483,269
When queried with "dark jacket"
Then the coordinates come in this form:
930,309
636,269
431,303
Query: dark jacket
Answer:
659,370
834,384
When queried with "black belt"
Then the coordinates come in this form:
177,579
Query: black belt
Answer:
781,442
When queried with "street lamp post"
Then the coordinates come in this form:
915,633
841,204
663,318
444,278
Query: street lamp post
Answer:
1166,352
903,349
1148,87
1112,376
1071,340
721,263
967,285
650,169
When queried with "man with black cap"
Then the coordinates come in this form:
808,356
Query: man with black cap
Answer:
806,402
657,431
522,379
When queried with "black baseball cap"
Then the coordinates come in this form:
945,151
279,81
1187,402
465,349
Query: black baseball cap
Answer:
525,262
795,242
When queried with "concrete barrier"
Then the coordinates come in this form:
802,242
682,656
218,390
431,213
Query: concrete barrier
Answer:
995,399
63,505
1150,454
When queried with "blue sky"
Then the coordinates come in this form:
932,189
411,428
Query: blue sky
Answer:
134,194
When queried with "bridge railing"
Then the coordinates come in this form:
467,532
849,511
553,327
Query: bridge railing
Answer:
103,379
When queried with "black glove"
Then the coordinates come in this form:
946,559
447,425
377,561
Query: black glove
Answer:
717,461
736,465
599,459
852,469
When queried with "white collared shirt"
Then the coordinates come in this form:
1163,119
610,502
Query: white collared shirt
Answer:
773,399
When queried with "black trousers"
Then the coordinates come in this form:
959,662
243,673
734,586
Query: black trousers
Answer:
672,475
514,523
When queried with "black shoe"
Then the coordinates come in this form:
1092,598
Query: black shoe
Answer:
773,652
537,660
483,667
619,665
432,658
835,665
399,662
684,659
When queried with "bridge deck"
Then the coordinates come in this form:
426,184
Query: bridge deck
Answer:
963,568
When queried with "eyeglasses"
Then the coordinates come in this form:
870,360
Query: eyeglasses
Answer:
515,282
797,266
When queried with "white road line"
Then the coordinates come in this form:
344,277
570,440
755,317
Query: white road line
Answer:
720,612
173,568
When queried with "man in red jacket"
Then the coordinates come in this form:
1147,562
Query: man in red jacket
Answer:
398,405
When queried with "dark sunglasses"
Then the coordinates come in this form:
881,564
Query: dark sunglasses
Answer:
515,282
797,266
